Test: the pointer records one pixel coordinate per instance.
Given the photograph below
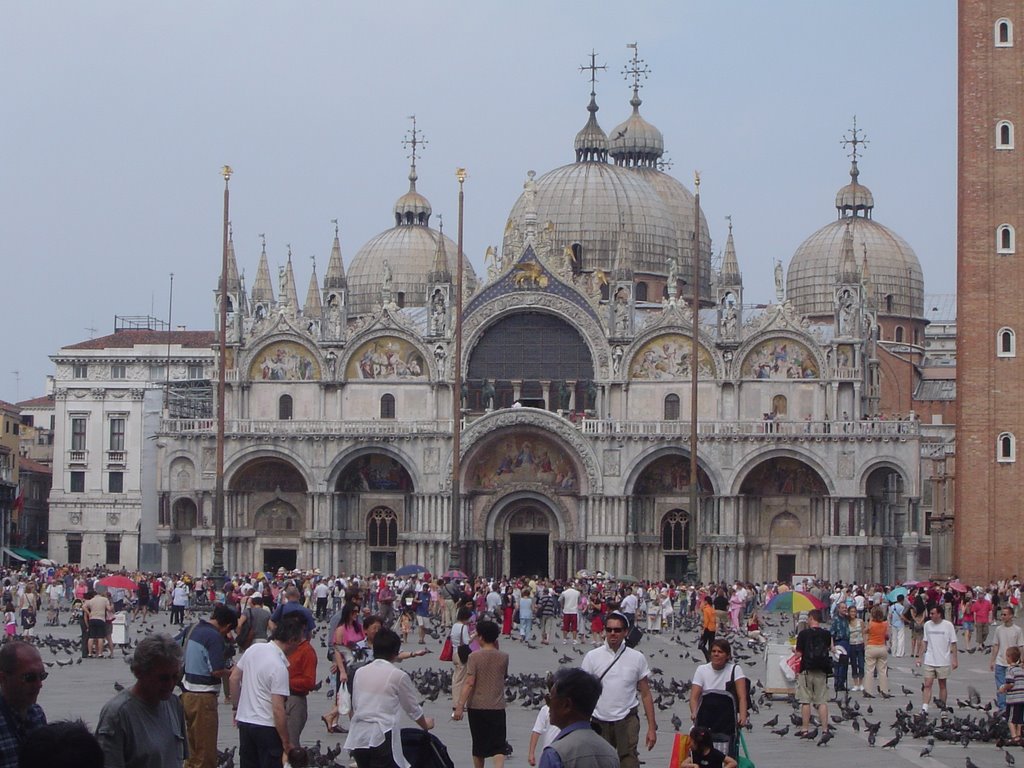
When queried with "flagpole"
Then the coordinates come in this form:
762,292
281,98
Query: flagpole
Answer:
455,544
695,362
217,570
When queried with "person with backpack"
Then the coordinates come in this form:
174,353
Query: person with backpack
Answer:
252,624
814,646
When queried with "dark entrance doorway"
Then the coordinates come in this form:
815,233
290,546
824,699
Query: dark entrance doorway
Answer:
786,566
279,558
675,567
528,554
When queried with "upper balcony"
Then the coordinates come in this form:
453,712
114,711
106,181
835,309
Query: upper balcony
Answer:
318,428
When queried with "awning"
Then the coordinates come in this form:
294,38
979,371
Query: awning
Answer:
25,554
15,555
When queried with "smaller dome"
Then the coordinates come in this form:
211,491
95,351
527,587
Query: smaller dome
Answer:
854,197
636,142
412,207
591,142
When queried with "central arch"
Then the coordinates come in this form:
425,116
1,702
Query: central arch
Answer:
522,531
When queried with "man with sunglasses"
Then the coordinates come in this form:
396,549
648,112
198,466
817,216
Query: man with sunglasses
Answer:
21,679
574,694
624,674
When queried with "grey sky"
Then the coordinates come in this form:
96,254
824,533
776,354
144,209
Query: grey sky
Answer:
118,116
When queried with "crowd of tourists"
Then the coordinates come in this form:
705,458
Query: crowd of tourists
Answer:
248,638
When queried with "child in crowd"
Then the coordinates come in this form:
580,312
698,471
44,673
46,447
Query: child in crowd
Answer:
703,752
10,621
1014,690
542,735
405,625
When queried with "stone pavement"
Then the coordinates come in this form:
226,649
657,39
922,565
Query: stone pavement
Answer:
80,690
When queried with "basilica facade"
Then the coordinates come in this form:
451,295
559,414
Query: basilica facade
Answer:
578,346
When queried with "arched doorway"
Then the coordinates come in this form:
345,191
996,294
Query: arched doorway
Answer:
372,500
269,496
181,549
528,539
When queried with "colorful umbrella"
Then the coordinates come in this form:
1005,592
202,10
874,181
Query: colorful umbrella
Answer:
410,570
118,582
794,602
891,597
454,573
959,586
627,579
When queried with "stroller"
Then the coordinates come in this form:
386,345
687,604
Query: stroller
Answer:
717,713
424,750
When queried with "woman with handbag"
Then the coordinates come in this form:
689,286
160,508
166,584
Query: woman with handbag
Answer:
719,696
347,637
460,637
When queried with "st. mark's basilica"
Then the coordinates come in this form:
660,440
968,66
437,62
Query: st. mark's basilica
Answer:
577,354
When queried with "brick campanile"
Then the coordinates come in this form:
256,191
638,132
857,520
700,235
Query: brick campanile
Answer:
990,310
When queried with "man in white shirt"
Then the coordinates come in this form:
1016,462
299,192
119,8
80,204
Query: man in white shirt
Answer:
1007,635
380,693
629,605
570,602
624,676
259,691
938,654
321,592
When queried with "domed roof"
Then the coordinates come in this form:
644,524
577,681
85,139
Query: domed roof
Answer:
636,142
680,203
854,197
409,250
591,203
894,273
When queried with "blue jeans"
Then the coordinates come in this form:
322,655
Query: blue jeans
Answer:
525,627
857,661
841,667
1000,682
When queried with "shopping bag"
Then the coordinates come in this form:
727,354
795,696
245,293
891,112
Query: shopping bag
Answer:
344,700
744,760
446,650
680,750
787,669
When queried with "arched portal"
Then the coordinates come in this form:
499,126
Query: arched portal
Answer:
526,530
269,496
181,549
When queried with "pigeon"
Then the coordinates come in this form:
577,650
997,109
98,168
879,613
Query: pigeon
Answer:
1009,758
676,722
891,743
928,749
772,723
970,763
781,731
826,737
118,687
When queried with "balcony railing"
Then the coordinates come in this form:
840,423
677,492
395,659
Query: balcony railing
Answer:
78,458
869,428
238,427
116,458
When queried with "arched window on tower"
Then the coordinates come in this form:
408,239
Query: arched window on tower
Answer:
400,298
1004,33
641,291
605,292
674,530
382,539
672,407
284,407
1006,448
387,406
1004,135
577,258
1005,239
899,334
1006,343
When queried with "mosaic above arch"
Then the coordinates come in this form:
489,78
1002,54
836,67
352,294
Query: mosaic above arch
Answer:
670,476
518,459
780,358
783,476
284,361
387,357
667,357
374,472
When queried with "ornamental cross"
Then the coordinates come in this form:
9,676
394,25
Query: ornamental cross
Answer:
413,139
593,67
855,138
636,70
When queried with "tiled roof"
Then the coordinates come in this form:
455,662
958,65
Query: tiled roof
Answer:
9,407
134,338
29,465
37,402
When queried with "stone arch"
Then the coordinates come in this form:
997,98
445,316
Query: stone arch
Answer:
475,324
182,474
268,473
387,354
373,468
780,356
783,476
770,452
281,452
653,455
277,517
184,514
785,526
884,462
514,421
284,357
508,500
658,355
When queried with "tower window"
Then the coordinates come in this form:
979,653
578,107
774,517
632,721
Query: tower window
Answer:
284,408
1006,343
387,406
899,334
672,408
1004,135
1006,448
1004,33
400,299
1005,240
641,291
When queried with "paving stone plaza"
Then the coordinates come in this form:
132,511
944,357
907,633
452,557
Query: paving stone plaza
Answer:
80,690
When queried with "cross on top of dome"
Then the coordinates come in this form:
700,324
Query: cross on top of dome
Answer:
636,70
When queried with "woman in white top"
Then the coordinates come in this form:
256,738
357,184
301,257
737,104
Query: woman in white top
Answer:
380,693
460,635
715,678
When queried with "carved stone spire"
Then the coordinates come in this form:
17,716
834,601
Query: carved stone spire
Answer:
313,307
730,264
263,286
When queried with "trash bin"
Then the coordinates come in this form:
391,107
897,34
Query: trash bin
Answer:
119,632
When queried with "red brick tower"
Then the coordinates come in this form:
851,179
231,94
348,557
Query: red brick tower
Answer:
990,286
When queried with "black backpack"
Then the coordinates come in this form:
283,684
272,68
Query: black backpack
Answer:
816,656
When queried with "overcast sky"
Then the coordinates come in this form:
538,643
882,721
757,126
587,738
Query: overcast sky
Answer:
118,116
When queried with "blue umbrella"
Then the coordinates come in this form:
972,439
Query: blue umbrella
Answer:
891,597
410,570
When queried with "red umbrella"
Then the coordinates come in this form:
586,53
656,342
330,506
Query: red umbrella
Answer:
959,586
118,582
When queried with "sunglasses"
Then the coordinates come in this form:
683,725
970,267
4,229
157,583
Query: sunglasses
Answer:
614,629
34,677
